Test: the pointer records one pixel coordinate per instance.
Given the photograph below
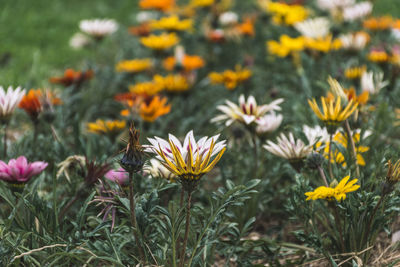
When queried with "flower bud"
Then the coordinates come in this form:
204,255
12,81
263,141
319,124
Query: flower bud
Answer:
133,159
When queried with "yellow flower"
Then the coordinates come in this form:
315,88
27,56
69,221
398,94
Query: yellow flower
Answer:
160,42
286,45
393,173
286,14
324,44
172,83
201,3
332,111
156,107
230,78
355,72
148,88
338,157
106,127
171,23
338,192
134,65
378,56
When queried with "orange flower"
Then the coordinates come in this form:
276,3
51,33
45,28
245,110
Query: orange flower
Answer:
379,23
142,30
216,36
351,94
378,55
189,63
246,28
150,111
72,77
31,103
162,5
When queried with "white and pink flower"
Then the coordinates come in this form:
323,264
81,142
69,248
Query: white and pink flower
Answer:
19,170
9,100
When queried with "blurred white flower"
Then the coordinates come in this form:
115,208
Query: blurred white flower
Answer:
228,18
145,16
9,100
354,41
246,112
268,123
333,4
316,134
396,34
289,148
156,169
357,11
98,28
372,82
79,40
314,28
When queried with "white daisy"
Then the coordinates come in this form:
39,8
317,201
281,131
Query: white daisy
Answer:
372,82
357,11
354,41
314,28
156,169
79,40
9,100
98,28
246,112
334,4
228,18
316,134
289,148
268,123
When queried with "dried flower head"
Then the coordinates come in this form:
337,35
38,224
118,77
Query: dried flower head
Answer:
133,159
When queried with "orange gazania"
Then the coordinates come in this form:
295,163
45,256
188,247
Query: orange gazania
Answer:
140,30
379,23
351,94
246,28
150,111
162,5
189,63
72,77
35,101
378,55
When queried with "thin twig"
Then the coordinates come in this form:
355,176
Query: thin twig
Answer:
38,249
322,174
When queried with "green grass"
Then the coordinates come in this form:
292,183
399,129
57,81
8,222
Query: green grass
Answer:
35,34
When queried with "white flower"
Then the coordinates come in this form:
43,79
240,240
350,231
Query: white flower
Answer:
156,169
372,82
199,149
228,18
145,16
268,123
246,112
98,28
355,41
316,134
79,40
357,11
314,28
396,34
9,100
289,148
333,4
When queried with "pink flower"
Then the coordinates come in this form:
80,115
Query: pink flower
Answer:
119,176
19,170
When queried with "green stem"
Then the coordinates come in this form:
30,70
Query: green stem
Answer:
133,217
5,140
187,227
338,223
255,154
353,147
329,157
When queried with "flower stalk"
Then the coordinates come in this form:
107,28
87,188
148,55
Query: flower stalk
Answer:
187,228
353,147
330,155
5,140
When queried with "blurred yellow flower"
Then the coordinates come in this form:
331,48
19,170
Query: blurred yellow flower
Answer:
338,192
355,72
134,65
378,56
156,107
171,23
332,111
324,44
172,83
160,42
106,127
286,45
230,78
286,14
147,88
201,3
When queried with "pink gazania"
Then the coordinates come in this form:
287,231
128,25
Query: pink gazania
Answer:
19,171
119,176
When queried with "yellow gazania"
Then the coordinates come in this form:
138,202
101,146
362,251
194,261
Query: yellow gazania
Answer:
106,127
378,56
355,72
160,42
192,168
201,3
157,107
338,157
148,88
134,65
286,45
325,44
230,78
338,192
171,23
286,14
333,112
172,83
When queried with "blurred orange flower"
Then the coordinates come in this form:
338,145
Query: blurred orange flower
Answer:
247,27
230,78
150,111
72,77
188,63
140,30
162,5
378,23
35,100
